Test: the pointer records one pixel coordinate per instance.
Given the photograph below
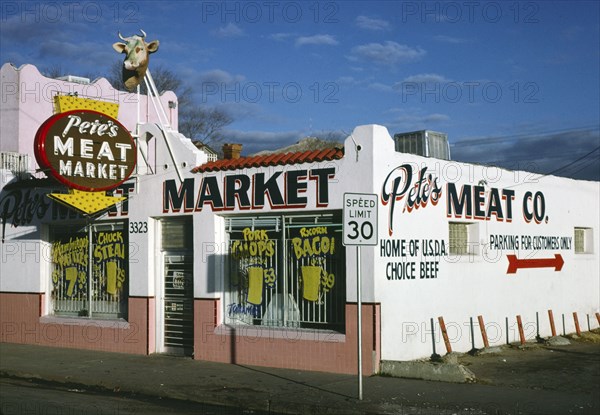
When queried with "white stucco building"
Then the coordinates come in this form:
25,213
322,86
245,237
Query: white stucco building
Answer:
241,260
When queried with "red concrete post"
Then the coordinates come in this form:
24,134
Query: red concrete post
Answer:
445,335
521,332
552,327
483,331
576,320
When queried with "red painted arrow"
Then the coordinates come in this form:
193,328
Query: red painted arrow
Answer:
515,263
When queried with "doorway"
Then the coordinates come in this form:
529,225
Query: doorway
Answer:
178,286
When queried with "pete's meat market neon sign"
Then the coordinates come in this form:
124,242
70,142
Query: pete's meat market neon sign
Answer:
85,150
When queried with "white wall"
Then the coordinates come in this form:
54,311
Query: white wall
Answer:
22,250
471,285
9,127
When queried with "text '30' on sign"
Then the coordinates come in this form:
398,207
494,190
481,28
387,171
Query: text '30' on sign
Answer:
360,219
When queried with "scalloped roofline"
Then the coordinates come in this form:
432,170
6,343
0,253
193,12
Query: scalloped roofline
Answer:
27,66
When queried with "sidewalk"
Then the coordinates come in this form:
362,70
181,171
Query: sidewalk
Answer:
510,382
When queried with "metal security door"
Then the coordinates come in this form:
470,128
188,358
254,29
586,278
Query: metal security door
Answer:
178,285
179,304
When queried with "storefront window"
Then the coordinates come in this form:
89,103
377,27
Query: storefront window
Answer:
90,280
286,271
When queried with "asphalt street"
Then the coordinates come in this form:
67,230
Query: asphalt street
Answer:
535,379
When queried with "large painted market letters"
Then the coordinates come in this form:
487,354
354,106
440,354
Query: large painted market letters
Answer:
248,192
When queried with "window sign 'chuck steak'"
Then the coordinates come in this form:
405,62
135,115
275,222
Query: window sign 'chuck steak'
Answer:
85,150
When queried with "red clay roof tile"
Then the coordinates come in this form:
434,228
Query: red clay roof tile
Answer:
286,157
271,160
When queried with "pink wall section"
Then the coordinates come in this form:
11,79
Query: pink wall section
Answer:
151,313
20,322
264,346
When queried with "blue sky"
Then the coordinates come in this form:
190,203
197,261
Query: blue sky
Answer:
514,83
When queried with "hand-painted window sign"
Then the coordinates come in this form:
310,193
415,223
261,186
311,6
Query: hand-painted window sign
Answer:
85,150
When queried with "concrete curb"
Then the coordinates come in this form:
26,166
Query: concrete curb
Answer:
557,341
489,350
443,372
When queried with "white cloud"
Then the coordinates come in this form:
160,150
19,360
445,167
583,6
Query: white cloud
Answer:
421,118
220,76
426,78
422,80
231,30
369,23
388,53
76,52
414,119
346,80
435,118
24,31
281,36
316,40
209,85
450,39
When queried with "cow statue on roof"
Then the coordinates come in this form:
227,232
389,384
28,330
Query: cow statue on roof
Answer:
137,53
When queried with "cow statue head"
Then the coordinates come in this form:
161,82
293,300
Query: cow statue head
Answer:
136,61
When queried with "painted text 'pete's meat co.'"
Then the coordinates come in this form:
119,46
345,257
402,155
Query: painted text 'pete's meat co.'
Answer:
462,201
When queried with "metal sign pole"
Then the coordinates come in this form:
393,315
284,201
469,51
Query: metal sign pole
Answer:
359,323
360,228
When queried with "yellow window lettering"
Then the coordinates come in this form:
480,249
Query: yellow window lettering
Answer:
318,245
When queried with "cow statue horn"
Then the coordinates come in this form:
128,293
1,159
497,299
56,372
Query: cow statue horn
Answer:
137,52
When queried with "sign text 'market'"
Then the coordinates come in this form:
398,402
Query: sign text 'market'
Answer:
281,190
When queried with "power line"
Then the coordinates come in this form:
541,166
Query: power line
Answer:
574,166
524,136
527,159
573,162
583,166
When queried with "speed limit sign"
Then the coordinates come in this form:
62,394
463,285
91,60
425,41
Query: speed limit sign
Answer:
360,219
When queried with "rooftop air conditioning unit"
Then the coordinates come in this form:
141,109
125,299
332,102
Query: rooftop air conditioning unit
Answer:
424,143
75,79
